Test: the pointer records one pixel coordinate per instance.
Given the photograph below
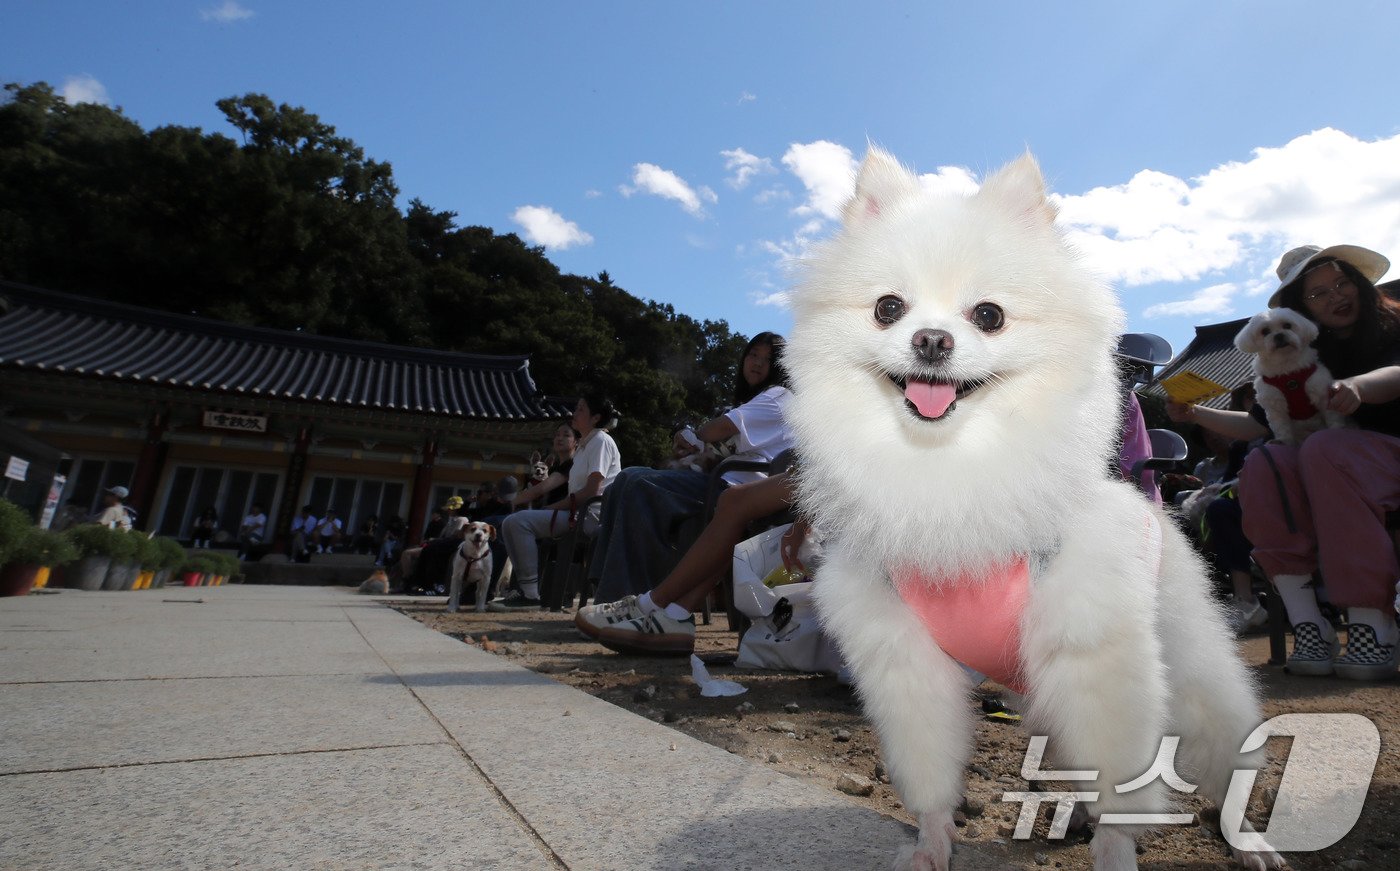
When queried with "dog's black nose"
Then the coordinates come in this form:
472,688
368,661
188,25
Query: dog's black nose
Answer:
933,345
1280,340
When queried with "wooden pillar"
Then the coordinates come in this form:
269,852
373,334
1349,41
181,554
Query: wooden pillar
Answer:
422,491
149,464
287,507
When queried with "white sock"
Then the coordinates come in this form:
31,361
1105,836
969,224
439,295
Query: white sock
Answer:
677,611
530,589
1300,602
1386,632
646,605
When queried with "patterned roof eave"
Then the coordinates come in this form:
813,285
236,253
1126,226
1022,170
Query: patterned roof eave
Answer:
1211,354
55,332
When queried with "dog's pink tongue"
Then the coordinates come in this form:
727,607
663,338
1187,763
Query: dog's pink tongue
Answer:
930,397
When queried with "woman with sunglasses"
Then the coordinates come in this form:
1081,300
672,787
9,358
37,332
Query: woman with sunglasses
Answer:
1322,505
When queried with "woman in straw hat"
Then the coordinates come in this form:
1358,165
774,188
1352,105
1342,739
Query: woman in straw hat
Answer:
1323,504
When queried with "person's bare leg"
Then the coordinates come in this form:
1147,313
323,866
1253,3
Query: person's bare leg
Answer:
703,564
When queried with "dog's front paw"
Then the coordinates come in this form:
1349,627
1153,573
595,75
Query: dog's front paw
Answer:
934,849
1259,860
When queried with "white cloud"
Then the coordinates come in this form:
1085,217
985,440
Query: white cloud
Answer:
83,89
1213,300
744,166
227,12
592,194
651,179
544,226
746,97
1324,188
828,172
768,195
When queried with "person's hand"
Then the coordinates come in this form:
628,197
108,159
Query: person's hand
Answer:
791,543
1181,412
682,446
1344,397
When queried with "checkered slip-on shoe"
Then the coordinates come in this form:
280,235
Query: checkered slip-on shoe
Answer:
1312,654
1366,658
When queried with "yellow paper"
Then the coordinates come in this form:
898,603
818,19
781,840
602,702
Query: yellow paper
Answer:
1189,388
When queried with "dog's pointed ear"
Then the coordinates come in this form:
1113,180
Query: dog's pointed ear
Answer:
881,182
1019,187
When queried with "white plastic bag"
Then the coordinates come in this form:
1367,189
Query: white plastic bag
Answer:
785,633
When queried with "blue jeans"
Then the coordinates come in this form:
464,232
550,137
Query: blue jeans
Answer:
642,509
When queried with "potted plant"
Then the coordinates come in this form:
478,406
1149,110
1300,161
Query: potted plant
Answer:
96,547
32,557
226,566
194,569
172,556
13,523
121,575
147,558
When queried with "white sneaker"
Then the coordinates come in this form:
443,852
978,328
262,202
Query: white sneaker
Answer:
626,629
1243,616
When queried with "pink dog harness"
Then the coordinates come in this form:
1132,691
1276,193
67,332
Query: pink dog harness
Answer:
977,621
1292,385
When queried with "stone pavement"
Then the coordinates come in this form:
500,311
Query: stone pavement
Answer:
311,728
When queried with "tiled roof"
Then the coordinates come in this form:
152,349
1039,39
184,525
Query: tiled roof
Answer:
1211,354
55,332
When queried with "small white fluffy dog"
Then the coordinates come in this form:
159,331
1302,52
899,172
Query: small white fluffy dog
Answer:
955,404
471,564
1289,381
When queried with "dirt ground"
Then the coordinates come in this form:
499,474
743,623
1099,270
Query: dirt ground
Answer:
811,727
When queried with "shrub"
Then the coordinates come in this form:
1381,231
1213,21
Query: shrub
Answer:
147,551
172,553
203,563
13,526
93,539
40,547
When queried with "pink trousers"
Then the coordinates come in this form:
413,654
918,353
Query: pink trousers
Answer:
1339,485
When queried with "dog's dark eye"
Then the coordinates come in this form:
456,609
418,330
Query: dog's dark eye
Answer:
888,309
988,317
1287,325
1264,332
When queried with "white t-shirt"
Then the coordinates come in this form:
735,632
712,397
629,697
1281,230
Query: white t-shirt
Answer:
598,453
255,524
763,433
115,517
305,525
329,526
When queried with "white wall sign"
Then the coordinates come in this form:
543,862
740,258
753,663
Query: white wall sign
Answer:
16,469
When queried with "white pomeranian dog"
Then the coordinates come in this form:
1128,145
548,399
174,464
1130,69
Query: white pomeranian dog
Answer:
955,404
1289,381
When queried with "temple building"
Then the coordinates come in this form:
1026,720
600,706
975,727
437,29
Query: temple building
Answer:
191,413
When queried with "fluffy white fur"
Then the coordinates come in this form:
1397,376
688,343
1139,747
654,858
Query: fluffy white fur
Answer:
1281,341
471,564
1117,653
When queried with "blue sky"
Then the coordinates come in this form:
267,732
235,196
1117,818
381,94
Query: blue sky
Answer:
694,150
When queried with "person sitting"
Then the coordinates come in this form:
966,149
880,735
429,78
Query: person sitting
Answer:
367,538
205,527
554,488
427,570
251,531
436,521
501,501
646,506
391,543
326,534
662,620
114,514
303,525
1322,504
597,462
